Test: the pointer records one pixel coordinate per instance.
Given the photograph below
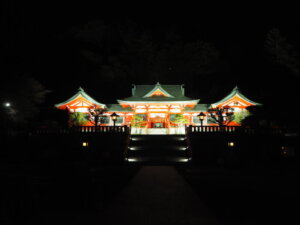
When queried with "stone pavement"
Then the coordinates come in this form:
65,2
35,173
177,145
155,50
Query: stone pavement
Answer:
158,195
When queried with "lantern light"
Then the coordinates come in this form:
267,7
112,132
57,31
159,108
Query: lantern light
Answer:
183,160
201,117
85,144
114,117
231,144
131,160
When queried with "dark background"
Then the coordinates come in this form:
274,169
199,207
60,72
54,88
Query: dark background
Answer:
37,39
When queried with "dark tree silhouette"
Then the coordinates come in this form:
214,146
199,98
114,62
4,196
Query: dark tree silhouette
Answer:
281,51
268,116
221,115
131,53
95,115
24,94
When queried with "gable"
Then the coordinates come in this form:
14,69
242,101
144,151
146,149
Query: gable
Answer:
146,90
80,99
235,99
158,92
80,102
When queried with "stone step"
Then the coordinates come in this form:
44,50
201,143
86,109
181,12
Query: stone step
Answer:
157,153
152,148
158,141
157,149
157,160
157,144
157,138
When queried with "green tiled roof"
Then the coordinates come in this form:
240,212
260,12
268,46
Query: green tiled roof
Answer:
175,93
82,93
158,87
197,108
235,91
118,108
143,90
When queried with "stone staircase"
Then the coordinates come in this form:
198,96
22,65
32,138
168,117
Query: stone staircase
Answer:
157,149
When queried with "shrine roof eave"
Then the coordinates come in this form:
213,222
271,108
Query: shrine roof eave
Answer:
159,102
235,92
145,91
118,108
158,87
197,108
80,93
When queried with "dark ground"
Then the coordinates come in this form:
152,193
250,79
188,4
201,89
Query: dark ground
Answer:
69,194
248,196
73,192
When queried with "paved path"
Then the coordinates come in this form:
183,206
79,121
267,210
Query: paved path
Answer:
158,195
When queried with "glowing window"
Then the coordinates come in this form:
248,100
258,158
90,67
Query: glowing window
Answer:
104,119
120,119
196,119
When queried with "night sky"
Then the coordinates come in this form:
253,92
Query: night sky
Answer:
35,41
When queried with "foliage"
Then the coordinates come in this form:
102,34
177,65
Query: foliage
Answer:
138,120
179,119
270,116
133,51
221,115
25,95
238,117
77,119
95,115
281,51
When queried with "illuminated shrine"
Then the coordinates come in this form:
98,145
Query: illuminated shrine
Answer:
158,106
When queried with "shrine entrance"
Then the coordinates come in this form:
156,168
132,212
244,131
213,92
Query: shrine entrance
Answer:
157,120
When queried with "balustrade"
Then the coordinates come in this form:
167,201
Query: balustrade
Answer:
233,129
85,129
212,129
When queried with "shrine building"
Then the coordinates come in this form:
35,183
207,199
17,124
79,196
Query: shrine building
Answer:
157,106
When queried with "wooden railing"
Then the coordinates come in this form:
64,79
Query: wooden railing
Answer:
233,129
85,129
194,129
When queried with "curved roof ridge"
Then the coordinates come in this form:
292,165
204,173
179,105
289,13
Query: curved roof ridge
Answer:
235,91
158,86
84,95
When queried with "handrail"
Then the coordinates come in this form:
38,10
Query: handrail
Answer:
84,129
233,129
